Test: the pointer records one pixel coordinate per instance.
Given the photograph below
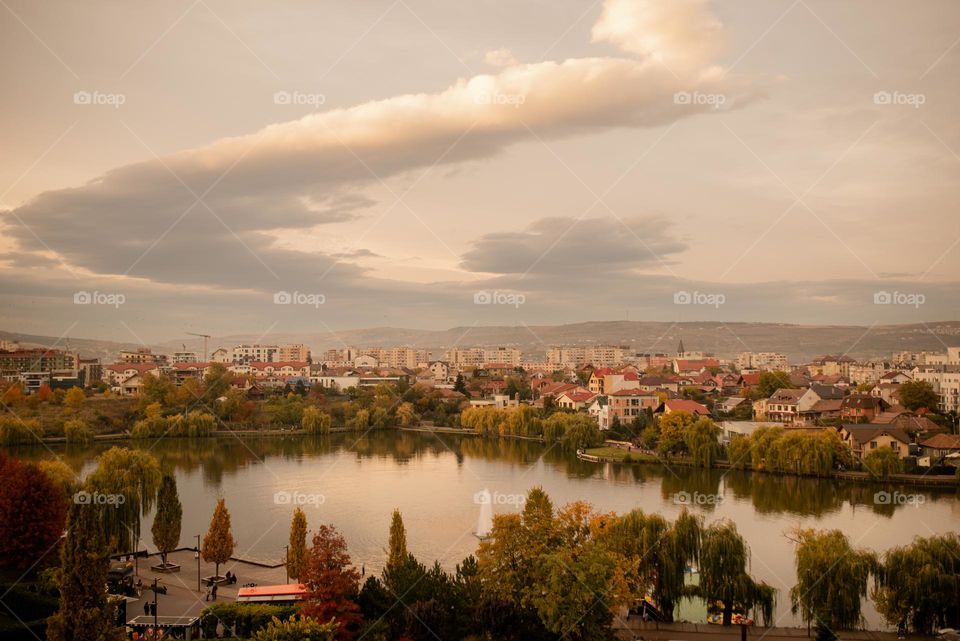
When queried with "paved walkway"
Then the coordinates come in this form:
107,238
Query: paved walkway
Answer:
182,597
637,629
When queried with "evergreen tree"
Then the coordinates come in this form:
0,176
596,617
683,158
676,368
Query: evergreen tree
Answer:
167,521
218,543
297,552
397,546
84,613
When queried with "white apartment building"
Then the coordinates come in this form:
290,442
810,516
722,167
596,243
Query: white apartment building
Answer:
769,361
480,356
944,383
255,353
185,357
597,355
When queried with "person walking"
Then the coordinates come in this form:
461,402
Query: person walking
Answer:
214,592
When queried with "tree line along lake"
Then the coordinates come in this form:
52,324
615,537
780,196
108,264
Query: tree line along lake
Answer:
439,482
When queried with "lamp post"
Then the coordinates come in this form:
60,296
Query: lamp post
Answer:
197,556
155,630
286,562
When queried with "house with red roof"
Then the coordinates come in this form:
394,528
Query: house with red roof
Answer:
682,405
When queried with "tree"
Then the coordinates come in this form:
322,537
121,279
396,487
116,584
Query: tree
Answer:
218,543
297,552
831,579
770,382
62,476
45,394
915,395
77,431
918,584
332,583
702,440
397,543
723,574
460,385
673,429
315,421
84,613
129,479
33,510
406,416
167,521
882,462
294,629
75,398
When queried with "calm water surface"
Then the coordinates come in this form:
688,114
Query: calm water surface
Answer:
355,482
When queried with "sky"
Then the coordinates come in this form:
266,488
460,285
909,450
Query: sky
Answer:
235,167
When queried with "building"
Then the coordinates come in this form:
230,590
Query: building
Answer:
480,356
862,408
293,352
682,405
945,381
141,355
255,353
766,361
626,404
184,357
784,405
14,363
862,439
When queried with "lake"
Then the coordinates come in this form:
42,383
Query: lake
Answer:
354,482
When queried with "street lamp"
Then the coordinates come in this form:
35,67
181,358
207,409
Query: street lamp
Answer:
197,556
155,630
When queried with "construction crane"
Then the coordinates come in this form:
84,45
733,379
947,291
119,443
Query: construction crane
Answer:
205,337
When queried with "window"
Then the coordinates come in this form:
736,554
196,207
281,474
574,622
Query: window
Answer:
873,445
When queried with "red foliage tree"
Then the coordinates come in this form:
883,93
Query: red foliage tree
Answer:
332,583
33,513
45,394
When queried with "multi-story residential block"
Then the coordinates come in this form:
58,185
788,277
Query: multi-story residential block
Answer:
255,353
945,381
184,357
768,361
141,355
14,363
480,356
626,404
293,352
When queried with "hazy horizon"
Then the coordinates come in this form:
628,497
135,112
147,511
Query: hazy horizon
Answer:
232,168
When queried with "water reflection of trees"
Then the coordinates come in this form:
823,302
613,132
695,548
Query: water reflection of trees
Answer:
224,456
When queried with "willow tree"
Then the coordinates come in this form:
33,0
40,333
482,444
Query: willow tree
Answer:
920,584
84,614
218,543
397,543
724,557
297,552
831,579
128,480
167,521
663,550
702,440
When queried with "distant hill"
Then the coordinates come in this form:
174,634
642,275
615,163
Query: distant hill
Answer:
798,342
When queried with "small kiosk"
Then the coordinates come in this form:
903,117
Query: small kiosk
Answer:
150,628
280,594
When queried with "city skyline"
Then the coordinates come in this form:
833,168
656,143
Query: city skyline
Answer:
382,165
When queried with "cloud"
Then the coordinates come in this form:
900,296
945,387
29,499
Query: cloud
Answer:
145,219
677,32
565,246
501,57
